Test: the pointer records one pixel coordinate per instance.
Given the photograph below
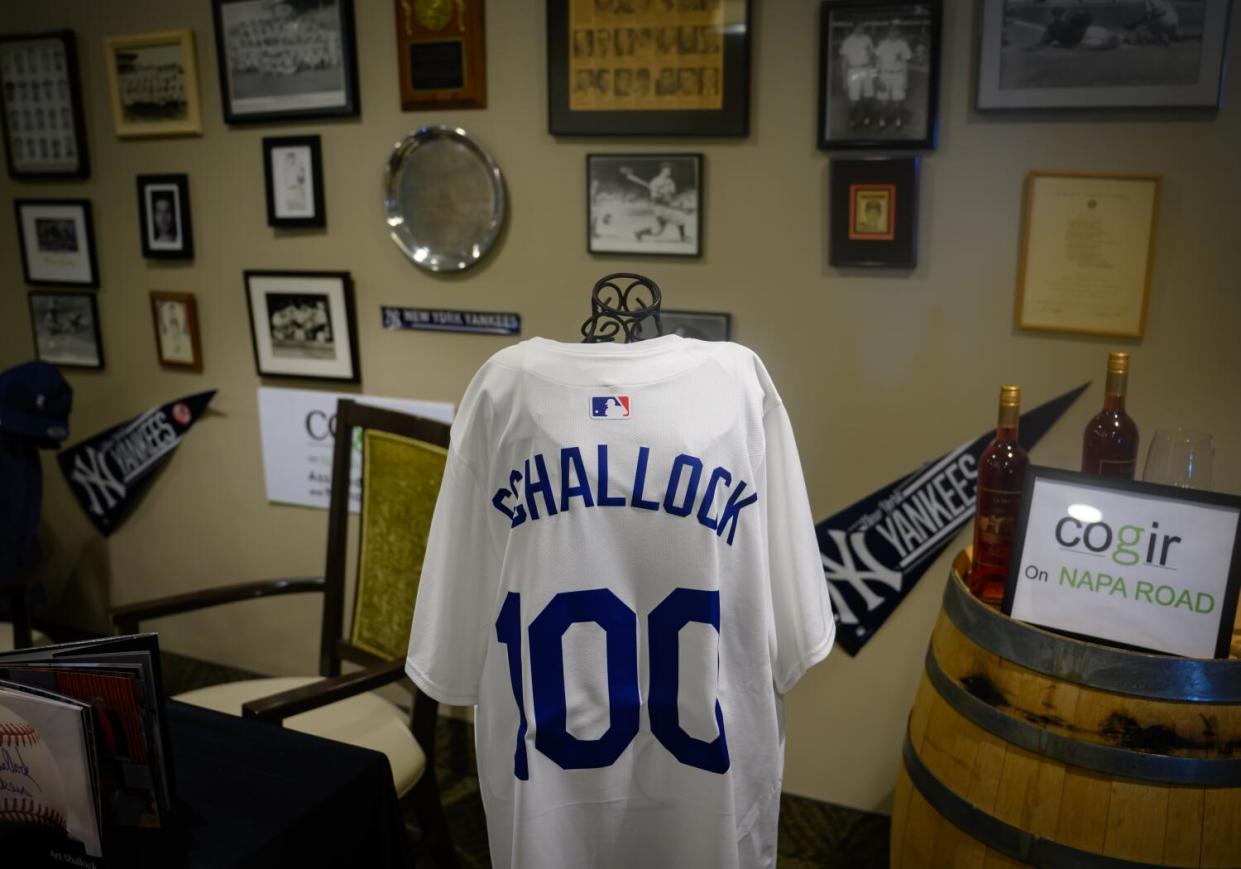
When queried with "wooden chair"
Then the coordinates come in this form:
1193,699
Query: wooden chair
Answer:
403,463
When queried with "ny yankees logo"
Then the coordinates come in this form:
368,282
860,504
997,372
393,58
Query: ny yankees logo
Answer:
96,477
846,571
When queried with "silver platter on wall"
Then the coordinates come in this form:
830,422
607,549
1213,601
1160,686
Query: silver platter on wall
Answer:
443,199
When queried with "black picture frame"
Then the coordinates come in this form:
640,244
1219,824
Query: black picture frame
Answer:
72,80
1035,473
41,340
605,175
703,325
304,284
731,119
316,215
875,124
182,247
852,247
31,266
271,110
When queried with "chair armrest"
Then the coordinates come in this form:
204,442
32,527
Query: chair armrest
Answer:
127,617
277,707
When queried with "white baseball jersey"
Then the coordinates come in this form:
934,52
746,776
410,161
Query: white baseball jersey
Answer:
856,49
622,573
894,55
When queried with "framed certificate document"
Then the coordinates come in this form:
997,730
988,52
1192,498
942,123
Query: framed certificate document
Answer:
1088,246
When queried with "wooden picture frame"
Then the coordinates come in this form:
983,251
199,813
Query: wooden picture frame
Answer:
1114,217
43,123
164,224
57,242
293,175
65,326
174,317
640,204
686,72
303,324
441,51
874,212
153,84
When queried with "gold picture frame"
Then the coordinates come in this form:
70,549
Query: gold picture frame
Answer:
1087,252
153,83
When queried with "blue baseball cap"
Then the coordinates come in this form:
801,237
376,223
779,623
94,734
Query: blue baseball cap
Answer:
35,401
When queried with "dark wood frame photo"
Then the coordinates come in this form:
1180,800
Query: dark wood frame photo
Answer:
150,246
92,300
349,329
191,328
270,145
731,119
89,241
651,161
73,78
351,106
873,129
898,178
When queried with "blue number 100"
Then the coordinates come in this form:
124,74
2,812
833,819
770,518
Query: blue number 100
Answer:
619,624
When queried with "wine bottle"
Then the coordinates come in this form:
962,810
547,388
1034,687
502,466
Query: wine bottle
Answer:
1110,443
1001,475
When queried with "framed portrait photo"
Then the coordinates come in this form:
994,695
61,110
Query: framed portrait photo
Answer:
644,204
44,130
293,171
648,67
303,324
1159,53
703,325
874,212
878,75
66,329
57,241
175,316
164,216
286,61
153,81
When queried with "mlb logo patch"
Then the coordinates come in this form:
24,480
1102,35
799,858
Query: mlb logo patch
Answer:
609,407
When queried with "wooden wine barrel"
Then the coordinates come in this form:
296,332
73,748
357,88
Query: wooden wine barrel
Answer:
1028,748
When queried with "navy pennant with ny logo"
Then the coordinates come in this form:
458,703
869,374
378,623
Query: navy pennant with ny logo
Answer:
875,550
107,471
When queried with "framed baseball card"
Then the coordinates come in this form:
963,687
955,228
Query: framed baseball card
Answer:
874,212
44,130
644,204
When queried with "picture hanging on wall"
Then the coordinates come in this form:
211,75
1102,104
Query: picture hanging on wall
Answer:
286,61
644,204
57,242
44,131
703,325
153,81
303,324
293,172
175,316
66,329
441,51
874,212
164,217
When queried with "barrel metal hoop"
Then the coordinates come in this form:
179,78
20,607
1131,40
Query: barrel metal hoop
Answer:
998,835
1119,762
1153,677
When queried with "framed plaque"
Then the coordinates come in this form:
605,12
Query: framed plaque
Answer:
44,131
441,50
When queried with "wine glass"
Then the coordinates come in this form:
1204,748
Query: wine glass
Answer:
1180,458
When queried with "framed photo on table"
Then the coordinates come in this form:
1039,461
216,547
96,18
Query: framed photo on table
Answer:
644,204
648,67
303,324
44,130
153,82
1102,55
874,212
66,329
175,316
293,172
1087,252
878,75
286,61
164,217
57,241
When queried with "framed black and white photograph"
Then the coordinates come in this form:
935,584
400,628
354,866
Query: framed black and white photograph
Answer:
164,216
285,61
175,316
57,242
44,130
303,324
66,329
878,75
644,204
293,170
874,212
703,325
1127,53
153,81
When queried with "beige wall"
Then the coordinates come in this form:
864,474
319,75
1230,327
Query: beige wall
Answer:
880,370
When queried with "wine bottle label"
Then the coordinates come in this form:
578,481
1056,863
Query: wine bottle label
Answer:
1115,468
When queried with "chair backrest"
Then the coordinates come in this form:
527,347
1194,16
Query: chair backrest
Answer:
403,459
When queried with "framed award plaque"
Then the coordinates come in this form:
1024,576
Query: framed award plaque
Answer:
441,51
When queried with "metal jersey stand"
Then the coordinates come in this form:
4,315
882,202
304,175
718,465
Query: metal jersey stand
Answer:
620,304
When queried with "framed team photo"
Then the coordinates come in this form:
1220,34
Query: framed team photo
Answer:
644,204
175,316
1128,53
66,329
57,242
303,324
878,75
286,61
293,171
164,217
703,325
874,212
44,130
153,82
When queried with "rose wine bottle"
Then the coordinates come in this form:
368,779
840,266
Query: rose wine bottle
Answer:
1001,475
1110,444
